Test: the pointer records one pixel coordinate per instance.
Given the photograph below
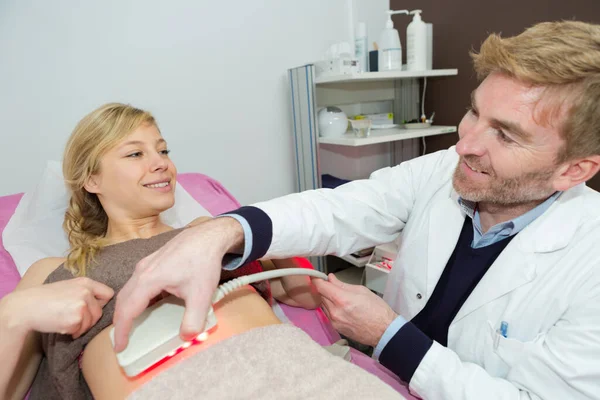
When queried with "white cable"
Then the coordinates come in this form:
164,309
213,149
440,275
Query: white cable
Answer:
423,111
423,98
227,287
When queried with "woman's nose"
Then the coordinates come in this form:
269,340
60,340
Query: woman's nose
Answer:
159,162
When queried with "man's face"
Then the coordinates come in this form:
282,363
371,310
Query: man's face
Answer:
506,157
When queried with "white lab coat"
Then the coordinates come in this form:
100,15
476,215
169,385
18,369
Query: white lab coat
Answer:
545,284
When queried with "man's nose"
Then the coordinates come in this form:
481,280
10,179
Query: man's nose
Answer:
471,142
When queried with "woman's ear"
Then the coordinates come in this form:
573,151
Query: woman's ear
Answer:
91,185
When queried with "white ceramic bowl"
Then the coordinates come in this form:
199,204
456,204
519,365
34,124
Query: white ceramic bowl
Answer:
332,122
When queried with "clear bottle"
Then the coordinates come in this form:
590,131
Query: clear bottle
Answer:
361,47
390,49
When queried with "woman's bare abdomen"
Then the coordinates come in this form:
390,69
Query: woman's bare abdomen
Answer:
238,312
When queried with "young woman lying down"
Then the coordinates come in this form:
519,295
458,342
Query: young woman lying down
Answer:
54,327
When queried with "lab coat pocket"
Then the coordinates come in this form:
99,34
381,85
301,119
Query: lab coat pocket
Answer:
502,353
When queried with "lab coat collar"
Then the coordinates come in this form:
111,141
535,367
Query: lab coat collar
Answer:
554,229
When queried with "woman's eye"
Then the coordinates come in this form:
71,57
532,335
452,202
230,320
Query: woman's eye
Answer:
165,152
135,155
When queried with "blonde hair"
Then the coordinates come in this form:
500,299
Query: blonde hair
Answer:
85,220
563,57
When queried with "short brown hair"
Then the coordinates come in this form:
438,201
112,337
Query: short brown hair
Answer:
558,55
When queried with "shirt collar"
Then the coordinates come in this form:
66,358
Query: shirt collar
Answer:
517,224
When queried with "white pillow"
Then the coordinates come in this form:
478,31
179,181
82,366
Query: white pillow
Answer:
35,230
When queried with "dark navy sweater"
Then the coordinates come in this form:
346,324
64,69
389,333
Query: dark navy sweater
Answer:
462,273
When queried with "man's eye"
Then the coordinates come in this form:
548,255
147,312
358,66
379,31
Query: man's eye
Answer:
503,136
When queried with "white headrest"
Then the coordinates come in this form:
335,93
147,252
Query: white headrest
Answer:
35,230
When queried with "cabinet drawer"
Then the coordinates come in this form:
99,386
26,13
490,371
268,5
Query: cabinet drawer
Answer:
376,278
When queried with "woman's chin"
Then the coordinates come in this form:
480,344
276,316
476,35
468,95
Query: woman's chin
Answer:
158,207
167,204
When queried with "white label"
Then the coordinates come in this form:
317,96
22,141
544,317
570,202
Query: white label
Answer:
410,49
390,59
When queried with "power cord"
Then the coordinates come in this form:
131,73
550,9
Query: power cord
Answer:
227,287
423,116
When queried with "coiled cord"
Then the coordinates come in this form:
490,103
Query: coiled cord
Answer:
228,287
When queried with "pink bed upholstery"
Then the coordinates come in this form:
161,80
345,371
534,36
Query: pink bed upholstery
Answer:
216,200
9,276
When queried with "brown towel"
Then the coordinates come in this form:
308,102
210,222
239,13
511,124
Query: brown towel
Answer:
273,362
59,376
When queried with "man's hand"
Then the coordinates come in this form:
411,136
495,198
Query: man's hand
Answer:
354,310
188,266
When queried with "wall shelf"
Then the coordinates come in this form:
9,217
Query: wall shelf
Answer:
402,93
356,261
386,135
384,76
353,276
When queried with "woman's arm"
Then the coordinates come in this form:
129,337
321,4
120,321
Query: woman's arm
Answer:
20,350
67,307
20,346
294,290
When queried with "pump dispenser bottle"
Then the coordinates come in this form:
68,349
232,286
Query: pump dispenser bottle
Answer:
390,50
416,43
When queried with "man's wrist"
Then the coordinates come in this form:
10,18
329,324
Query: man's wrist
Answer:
390,331
233,233
11,320
383,325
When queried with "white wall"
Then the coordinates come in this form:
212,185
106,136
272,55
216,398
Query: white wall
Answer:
214,73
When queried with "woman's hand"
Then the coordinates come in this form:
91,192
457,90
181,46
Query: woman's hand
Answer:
69,307
293,290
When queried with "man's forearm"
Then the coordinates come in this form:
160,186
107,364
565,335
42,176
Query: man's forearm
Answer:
234,234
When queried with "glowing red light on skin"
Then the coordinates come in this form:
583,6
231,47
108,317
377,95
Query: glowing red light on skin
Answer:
198,340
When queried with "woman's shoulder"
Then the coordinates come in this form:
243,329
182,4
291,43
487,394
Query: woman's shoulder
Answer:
39,271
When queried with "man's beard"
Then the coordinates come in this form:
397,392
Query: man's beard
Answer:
531,186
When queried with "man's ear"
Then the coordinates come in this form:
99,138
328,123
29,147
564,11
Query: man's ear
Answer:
91,185
575,172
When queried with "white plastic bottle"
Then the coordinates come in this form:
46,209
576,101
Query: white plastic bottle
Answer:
429,46
361,47
416,43
390,50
